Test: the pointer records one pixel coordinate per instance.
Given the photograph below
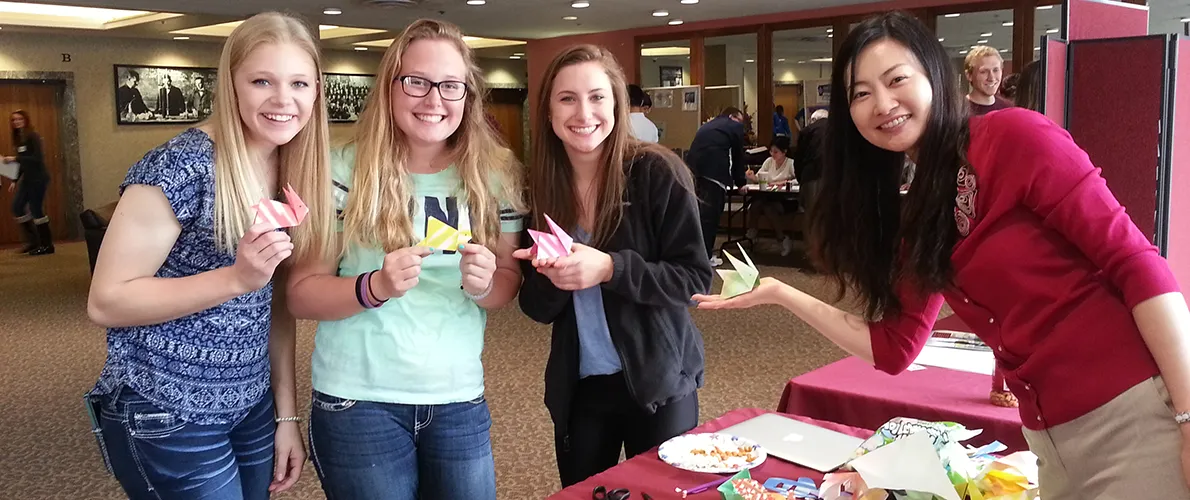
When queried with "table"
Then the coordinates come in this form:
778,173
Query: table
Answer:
854,393
752,192
647,473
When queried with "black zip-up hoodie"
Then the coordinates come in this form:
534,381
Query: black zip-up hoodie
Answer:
659,263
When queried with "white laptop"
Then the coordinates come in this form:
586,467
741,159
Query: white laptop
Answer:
804,444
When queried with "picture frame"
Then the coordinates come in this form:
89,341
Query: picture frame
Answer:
345,95
671,76
156,95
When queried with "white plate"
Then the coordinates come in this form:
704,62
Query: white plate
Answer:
692,452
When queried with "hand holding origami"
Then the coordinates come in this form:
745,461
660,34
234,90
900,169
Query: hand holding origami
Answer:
277,214
551,245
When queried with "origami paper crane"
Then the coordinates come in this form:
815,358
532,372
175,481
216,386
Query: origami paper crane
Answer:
441,236
550,245
743,279
278,214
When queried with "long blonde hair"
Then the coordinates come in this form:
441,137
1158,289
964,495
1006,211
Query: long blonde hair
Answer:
304,162
380,209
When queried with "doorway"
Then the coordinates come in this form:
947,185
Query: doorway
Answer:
507,108
44,101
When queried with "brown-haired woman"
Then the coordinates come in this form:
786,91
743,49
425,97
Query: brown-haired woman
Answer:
626,359
30,186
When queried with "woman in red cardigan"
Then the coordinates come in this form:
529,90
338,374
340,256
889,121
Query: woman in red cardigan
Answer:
1011,224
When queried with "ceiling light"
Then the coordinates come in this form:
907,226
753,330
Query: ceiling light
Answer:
801,62
821,59
1045,7
181,38
1006,23
570,18
324,27
580,4
361,48
1036,48
1005,50
476,2
664,51
1052,30
985,35
830,30
63,16
981,42
749,60
675,22
1185,19
518,53
962,52
780,60
952,15
331,11
660,13
941,39
830,36
514,57
689,2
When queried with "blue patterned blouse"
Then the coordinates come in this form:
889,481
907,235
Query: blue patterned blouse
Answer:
212,366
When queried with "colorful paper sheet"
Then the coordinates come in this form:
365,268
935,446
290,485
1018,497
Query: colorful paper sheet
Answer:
441,236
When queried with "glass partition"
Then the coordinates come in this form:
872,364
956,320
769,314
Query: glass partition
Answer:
959,33
731,64
801,73
665,64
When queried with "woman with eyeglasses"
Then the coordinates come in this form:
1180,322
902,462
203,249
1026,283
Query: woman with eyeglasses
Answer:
398,406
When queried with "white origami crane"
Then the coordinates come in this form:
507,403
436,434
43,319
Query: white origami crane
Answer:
743,279
549,246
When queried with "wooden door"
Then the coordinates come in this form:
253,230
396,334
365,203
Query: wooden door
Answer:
43,103
789,96
506,107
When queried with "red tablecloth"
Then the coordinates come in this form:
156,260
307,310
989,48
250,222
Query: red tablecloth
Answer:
852,392
648,474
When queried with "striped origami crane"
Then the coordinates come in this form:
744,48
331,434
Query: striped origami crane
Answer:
278,214
743,279
549,246
442,236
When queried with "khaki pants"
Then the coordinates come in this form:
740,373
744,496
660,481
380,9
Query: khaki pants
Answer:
1129,448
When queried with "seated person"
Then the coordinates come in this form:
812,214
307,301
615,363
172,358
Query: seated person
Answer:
777,168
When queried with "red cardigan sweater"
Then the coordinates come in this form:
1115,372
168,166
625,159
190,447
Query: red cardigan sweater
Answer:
1047,270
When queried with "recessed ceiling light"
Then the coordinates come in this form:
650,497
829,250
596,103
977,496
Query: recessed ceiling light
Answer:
801,62
780,60
361,48
1005,50
514,57
580,4
518,53
1036,48
675,22
689,2
660,13
476,2
331,11
1185,19
830,30
981,42
1045,7
324,27
570,18
962,52
941,39
1052,30
181,38
1006,23
749,60
830,36
951,15
985,35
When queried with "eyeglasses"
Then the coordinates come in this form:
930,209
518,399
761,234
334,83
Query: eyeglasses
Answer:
450,90
602,493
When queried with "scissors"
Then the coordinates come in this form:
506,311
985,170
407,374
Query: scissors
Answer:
602,493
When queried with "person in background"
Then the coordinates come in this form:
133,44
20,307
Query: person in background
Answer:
1029,91
808,157
647,105
129,100
983,67
200,101
777,168
626,359
398,408
642,127
1011,224
197,399
170,102
780,122
33,179
717,158
1009,87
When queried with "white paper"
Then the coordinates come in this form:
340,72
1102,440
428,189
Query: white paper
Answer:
909,463
965,360
757,149
9,169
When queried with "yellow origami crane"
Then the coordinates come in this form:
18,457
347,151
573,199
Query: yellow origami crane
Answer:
441,236
743,279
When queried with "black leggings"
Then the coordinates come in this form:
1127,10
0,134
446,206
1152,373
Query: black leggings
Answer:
29,199
604,418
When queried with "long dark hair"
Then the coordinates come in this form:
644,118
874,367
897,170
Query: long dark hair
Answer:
1028,90
19,134
856,230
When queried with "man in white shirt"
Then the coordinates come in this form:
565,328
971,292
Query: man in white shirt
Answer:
642,127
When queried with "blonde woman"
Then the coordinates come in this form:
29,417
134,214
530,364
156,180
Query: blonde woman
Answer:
183,408
398,405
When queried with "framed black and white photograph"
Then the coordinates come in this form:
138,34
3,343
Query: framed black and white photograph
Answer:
163,94
671,76
345,95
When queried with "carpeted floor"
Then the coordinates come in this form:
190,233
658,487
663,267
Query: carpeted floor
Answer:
50,355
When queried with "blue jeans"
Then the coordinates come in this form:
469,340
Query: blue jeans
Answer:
155,456
384,451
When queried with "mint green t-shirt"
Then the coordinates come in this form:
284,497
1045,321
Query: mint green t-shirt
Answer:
424,347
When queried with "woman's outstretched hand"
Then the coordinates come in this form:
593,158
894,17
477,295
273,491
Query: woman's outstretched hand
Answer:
767,292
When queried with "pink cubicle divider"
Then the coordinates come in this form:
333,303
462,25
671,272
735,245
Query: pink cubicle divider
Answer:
1088,19
1178,236
1054,61
1115,104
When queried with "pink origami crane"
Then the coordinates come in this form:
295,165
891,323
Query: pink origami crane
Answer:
549,246
279,215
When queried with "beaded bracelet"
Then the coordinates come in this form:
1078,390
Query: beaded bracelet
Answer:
288,419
